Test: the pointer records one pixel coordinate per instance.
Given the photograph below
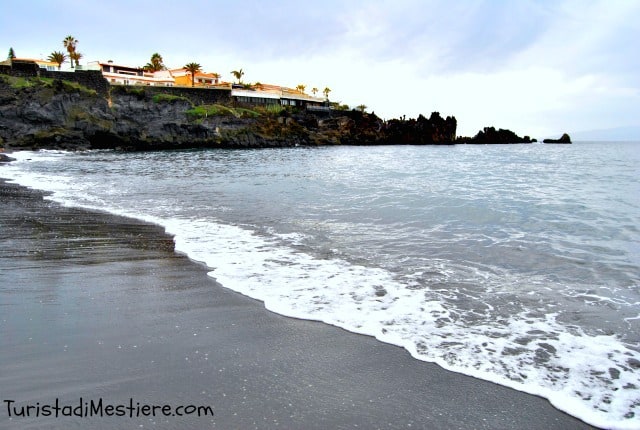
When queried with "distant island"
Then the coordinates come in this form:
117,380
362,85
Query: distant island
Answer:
78,110
563,139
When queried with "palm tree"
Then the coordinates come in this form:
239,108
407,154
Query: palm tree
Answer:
362,107
314,90
70,43
12,54
301,88
75,56
216,76
57,57
238,74
156,64
326,92
193,68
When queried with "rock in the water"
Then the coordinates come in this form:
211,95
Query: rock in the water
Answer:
563,139
489,135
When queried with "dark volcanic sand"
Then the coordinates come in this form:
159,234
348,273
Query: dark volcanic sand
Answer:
100,307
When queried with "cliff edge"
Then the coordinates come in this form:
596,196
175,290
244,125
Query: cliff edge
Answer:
50,113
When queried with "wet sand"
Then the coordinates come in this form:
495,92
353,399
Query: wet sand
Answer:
95,306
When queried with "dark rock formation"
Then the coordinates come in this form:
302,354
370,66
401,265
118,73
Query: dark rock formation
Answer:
563,139
63,115
421,131
50,113
6,159
492,136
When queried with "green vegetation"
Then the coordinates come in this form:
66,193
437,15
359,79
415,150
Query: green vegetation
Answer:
204,111
76,114
167,98
57,57
156,64
71,86
326,92
12,54
245,113
238,74
338,106
193,68
301,88
136,91
18,82
75,56
70,43
274,109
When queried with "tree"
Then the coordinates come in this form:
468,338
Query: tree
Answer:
12,54
326,92
57,57
301,88
238,74
156,64
75,56
314,90
258,85
193,68
362,107
216,76
339,106
70,43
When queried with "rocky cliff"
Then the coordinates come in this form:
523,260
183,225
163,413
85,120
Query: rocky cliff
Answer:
489,135
51,113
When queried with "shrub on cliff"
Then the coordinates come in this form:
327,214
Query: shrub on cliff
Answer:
169,98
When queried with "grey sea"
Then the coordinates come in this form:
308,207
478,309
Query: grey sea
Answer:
516,264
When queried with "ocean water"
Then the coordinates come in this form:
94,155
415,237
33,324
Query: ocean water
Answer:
518,264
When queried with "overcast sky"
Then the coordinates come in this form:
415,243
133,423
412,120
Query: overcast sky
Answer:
538,68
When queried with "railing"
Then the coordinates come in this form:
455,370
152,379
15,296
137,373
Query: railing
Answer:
319,108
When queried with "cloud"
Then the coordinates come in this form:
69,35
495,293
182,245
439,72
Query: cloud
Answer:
535,66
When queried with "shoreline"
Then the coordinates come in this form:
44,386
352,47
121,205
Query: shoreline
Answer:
100,306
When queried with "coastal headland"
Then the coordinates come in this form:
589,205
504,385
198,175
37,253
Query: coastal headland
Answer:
81,110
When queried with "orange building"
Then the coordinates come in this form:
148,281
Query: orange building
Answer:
183,78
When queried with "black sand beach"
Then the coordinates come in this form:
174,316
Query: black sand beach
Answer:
95,306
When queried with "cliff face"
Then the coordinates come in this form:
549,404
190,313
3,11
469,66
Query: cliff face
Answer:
31,115
489,135
56,114
49,113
